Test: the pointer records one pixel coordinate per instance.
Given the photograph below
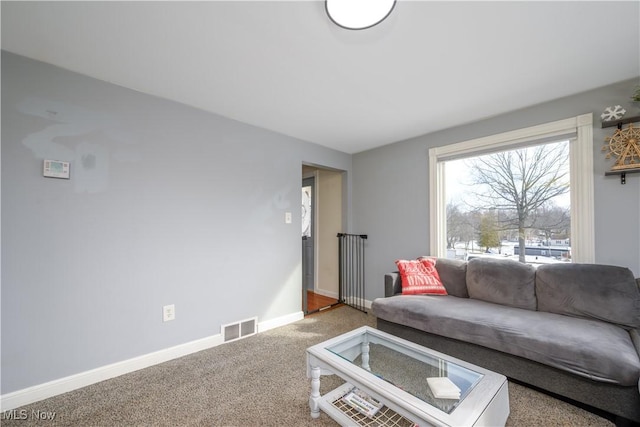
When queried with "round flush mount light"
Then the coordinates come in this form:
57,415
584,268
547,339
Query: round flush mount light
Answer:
358,14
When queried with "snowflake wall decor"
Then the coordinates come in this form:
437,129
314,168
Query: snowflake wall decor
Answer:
613,113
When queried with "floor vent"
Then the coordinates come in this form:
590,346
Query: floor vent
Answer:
242,329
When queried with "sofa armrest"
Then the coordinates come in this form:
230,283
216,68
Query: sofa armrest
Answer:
392,284
635,339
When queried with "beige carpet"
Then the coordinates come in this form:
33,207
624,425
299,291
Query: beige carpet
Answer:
256,381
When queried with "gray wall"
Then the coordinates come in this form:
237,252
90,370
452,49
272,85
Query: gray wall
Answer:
171,205
391,186
166,205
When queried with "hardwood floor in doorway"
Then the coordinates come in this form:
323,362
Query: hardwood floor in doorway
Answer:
317,302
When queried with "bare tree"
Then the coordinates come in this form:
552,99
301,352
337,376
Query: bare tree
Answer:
470,229
552,220
455,224
461,225
519,182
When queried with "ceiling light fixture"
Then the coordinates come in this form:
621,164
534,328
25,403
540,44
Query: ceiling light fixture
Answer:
358,14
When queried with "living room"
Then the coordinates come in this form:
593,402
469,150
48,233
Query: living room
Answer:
172,205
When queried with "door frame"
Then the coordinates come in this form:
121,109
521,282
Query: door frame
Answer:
309,181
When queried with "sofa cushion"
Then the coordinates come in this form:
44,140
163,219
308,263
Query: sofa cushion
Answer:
502,281
589,348
420,277
603,292
453,275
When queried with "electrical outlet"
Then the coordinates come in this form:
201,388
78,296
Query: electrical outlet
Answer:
287,217
168,312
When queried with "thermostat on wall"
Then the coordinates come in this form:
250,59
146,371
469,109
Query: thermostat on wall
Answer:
56,169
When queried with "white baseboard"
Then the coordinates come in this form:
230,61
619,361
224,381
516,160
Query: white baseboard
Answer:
280,321
73,382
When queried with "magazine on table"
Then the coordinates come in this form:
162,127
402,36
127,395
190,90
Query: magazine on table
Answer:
362,402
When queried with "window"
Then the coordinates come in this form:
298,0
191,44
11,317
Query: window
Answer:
578,130
499,201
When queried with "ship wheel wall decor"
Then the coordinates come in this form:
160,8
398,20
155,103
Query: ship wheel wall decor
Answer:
625,145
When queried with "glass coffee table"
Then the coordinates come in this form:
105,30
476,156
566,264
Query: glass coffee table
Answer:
391,381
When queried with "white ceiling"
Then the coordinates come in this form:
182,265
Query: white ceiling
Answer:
286,67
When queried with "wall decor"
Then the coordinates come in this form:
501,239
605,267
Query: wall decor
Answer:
613,113
624,145
636,95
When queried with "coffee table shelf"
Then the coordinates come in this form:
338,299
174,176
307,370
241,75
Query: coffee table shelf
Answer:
332,404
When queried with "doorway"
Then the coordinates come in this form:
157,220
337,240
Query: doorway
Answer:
308,255
321,222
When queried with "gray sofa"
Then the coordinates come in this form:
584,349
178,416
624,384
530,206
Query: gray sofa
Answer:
569,329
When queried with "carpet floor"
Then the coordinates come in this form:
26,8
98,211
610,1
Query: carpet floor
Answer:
257,381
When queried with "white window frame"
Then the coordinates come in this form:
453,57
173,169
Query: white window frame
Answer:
578,130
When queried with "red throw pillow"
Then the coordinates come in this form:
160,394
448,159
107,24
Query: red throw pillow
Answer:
420,277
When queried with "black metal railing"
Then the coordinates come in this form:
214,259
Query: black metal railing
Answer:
351,270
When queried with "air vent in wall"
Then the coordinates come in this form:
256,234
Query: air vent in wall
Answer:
242,329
